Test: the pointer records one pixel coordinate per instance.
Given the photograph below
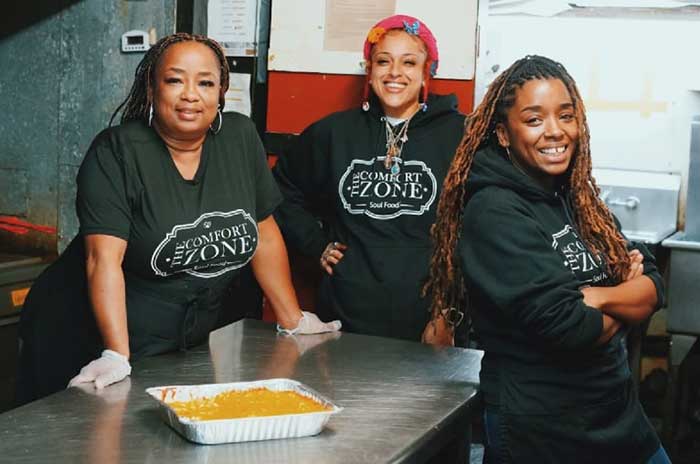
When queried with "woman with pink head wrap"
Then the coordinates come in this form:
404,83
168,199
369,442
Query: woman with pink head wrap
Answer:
361,185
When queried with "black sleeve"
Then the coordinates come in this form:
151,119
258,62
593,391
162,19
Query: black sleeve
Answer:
650,268
301,173
101,204
651,271
509,258
267,195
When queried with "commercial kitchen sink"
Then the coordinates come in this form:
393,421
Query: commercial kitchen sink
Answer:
684,278
649,237
681,240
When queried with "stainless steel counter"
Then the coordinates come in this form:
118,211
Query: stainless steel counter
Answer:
402,402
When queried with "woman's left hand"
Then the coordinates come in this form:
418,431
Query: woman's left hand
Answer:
310,324
332,256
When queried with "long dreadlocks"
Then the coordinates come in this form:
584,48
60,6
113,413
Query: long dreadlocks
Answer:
138,103
593,219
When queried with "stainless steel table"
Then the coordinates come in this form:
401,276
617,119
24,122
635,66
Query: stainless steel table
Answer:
403,401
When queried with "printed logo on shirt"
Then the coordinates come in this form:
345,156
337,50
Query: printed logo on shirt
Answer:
577,258
367,187
215,243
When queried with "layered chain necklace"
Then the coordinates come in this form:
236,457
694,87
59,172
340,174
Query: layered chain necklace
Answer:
395,140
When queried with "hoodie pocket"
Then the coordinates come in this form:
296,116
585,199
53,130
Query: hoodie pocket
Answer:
375,308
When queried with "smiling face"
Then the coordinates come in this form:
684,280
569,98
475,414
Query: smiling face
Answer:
186,91
397,71
540,130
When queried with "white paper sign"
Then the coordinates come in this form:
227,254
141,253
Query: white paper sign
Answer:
238,94
327,36
233,23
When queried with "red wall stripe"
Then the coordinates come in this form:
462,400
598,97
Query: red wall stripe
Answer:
295,100
20,227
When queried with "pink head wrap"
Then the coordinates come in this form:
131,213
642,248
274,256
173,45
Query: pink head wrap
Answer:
410,25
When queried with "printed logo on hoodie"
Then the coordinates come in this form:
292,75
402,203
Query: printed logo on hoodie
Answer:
367,187
215,243
577,257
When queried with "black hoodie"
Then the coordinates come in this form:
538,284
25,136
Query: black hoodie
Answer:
335,170
525,264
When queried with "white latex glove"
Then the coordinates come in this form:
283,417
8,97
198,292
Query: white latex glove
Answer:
310,324
111,367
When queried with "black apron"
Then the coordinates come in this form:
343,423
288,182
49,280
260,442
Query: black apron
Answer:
58,333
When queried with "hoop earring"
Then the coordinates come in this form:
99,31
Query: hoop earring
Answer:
365,105
218,127
150,114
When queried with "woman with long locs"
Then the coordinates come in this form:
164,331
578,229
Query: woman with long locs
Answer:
550,281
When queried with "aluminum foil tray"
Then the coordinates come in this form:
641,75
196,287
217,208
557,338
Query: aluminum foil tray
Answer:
211,432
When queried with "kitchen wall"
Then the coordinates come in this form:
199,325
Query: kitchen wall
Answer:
61,76
639,78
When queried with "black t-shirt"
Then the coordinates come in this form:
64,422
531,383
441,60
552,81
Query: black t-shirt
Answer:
186,240
182,235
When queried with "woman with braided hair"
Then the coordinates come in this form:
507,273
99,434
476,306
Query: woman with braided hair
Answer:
172,203
551,283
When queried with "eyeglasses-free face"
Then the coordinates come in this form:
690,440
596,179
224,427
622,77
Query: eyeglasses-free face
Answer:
186,91
396,72
541,131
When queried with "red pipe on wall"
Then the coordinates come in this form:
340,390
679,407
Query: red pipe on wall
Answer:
18,226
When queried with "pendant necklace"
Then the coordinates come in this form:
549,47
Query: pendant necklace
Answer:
394,145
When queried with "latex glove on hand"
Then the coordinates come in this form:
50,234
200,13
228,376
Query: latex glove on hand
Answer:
110,368
310,324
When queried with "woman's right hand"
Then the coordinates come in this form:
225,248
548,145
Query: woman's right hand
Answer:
636,265
332,256
109,368
595,296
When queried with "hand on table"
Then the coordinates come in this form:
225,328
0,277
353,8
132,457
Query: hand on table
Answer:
332,256
110,368
310,324
440,331
437,333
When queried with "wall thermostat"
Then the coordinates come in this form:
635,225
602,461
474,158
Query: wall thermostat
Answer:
135,41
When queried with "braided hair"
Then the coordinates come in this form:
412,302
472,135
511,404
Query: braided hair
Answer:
140,99
593,219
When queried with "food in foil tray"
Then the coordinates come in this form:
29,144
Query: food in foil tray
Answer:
243,411
234,404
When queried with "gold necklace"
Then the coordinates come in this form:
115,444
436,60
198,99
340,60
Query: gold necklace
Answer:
395,142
